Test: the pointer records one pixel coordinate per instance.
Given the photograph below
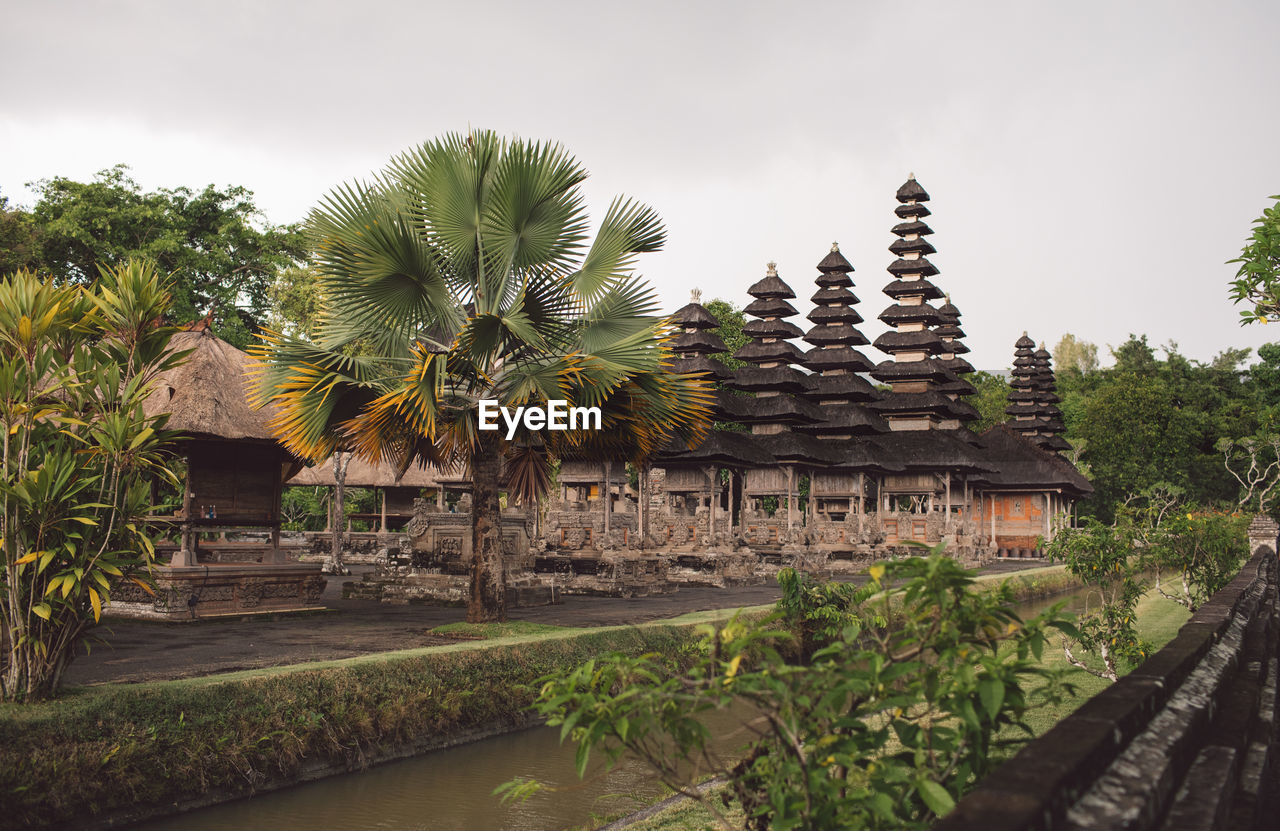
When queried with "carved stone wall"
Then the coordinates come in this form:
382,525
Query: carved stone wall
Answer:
195,592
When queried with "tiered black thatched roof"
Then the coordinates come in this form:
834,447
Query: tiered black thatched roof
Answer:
952,348
1033,400
721,448
1020,463
833,337
932,450
1049,415
694,347
769,351
914,343
695,344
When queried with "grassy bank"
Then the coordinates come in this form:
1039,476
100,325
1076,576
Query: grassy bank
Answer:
131,750
138,748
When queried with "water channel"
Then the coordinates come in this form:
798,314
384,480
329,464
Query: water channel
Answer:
451,790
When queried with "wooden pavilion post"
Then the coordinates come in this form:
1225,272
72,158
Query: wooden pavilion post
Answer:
947,524
993,519
732,505
606,493
711,504
644,504
791,475
382,523
186,555
276,555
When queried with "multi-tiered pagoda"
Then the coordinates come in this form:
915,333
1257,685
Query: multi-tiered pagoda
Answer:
1049,416
1032,399
778,387
840,391
913,371
692,510
1023,396
696,343
952,337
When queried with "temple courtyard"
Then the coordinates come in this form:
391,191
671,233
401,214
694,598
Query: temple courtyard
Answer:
132,651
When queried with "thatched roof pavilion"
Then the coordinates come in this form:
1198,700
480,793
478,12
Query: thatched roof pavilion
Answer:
206,395
396,492
235,466
235,469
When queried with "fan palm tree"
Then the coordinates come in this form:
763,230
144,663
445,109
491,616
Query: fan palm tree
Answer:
465,271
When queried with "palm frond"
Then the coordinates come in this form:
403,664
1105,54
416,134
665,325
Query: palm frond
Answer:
528,470
628,228
380,278
535,216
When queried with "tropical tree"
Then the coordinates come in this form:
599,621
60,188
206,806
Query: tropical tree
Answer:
1204,549
1104,558
79,456
991,399
895,708
730,331
1257,280
463,272
222,252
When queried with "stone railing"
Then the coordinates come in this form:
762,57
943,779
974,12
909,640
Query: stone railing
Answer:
1185,741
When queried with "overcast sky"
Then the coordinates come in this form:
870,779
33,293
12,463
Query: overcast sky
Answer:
1092,164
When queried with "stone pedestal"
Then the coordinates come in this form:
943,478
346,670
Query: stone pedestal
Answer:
185,593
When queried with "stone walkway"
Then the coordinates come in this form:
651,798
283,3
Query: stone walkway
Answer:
126,651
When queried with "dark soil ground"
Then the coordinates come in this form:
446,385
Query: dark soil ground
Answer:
126,651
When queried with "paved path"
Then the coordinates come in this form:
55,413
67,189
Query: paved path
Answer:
147,651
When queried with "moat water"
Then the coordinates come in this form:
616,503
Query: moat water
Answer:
452,790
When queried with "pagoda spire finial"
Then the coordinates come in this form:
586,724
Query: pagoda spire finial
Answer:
835,247
695,296
771,269
911,177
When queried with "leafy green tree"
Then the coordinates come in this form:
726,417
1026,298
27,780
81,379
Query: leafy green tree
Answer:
464,274
1104,558
1075,355
1136,436
19,244
1134,355
223,254
295,304
1205,550
990,400
78,457
1258,278
885,727
730,330
1263,382
816,612
304,508
1254,462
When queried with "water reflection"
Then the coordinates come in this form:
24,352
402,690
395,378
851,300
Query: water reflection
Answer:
452,790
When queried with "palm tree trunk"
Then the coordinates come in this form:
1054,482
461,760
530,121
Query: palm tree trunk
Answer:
488,600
